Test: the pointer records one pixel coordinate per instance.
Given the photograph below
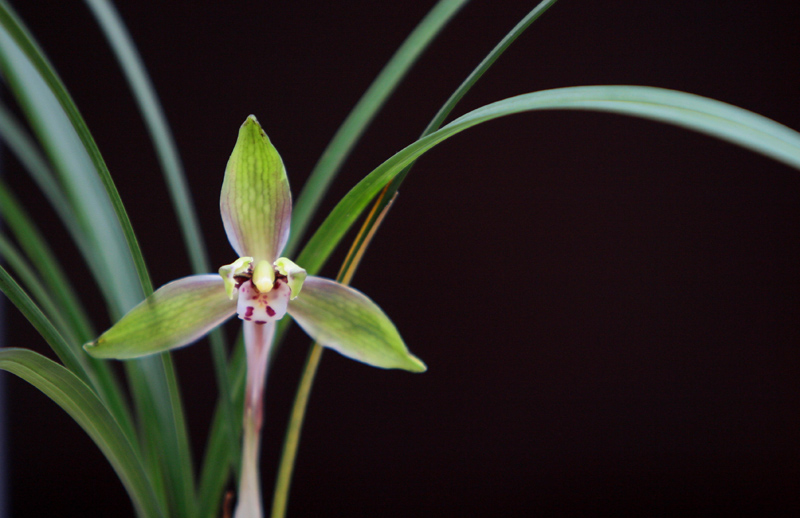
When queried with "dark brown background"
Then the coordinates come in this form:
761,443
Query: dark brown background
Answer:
608,307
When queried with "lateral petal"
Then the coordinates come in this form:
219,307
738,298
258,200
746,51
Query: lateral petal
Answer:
175,315
347,321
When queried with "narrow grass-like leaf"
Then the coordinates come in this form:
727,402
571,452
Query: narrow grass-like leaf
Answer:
291,442
42,258
149,105
17,39
27,152
23,147
22,268
36,85
182,468
486,64
384,199
65,303
29,309
163,435
217,463
362,114
71,394
226,392
93,211
150,438
714,118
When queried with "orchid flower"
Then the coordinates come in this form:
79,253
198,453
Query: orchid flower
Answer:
261,287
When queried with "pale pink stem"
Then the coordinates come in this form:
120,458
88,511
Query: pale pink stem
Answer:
257,342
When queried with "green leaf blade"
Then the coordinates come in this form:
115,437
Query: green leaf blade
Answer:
153,114
364,112
72,395
23,44
714,118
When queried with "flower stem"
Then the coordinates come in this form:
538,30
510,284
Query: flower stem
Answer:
257,342
293,432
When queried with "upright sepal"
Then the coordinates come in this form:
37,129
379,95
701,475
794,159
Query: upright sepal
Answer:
177,314
347,321
255,202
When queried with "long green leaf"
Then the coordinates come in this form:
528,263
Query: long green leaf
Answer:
150,107
486,64
43,97
23,147
71,394
163,434
714,118
217,464
362,114
107,254
181,469
24,43
42,258
150,437
74,362
23,270
66,312
69,353
388,193
351,262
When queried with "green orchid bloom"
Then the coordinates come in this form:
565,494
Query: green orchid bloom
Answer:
261,287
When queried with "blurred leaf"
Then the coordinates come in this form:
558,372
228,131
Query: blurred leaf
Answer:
362,114
217,464
122,275
64,135
41,257
714,118
55,294
29,155
71,394
29,309
149,105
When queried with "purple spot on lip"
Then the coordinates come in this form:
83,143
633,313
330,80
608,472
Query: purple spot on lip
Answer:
270,311
249,312
248,319
259,322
